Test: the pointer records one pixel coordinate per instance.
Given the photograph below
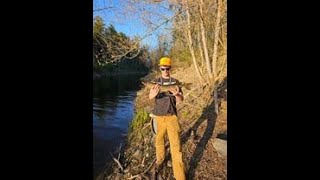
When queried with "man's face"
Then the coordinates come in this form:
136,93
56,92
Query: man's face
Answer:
165,70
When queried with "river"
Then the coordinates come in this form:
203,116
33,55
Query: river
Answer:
113,109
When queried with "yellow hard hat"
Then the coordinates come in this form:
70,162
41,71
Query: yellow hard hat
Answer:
165,61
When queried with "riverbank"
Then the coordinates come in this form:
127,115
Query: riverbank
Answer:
204,151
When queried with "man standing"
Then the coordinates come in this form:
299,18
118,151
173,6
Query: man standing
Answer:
165,112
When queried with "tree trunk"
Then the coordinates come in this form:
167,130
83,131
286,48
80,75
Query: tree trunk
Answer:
191,47
204,41
216,99
216,40
215,56
201,52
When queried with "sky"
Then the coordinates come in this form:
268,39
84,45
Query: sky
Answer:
125,16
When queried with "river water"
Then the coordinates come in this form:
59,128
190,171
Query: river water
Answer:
113,109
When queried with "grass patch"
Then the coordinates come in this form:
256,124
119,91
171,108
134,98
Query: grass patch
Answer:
140,118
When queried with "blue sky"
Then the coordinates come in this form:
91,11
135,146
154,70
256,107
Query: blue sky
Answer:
126,18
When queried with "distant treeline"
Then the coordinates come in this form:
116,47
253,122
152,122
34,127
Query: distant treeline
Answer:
114,52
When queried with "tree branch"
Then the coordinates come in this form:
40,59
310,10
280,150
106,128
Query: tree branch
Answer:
101,9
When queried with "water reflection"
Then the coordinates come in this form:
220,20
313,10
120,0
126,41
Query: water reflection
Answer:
113,102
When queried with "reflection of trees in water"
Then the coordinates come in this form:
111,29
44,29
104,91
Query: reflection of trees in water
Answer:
101,114
106,92
115,85
105,106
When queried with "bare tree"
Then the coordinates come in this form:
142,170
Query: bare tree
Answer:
190,45
216,39
204,40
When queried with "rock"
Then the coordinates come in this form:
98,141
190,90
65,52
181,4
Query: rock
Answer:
221,146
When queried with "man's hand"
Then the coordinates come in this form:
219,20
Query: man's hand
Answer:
175,91
154,91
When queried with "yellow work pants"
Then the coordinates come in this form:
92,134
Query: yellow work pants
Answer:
171,125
